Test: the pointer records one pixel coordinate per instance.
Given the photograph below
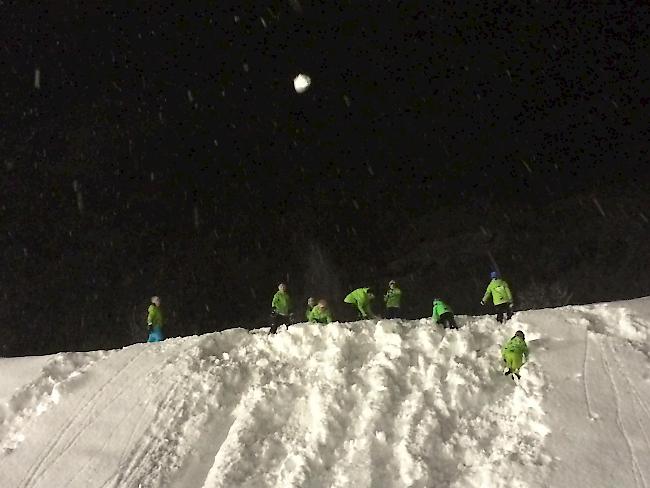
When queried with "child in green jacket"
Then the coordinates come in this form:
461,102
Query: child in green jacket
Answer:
361,298
393,300
281,304
515,353
320,314
311,303
443,314
155,321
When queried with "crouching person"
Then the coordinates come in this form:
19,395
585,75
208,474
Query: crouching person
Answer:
515,353
320,314
360,299
443,314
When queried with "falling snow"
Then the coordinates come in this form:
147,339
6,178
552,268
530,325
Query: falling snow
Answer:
598,206
445,161
197,220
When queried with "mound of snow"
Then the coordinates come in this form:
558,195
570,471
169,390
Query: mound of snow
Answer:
381,404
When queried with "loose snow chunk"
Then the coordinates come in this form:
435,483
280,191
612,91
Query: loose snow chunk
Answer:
301,83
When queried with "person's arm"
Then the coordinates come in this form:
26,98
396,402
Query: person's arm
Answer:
434,314
274,302
151,315
488,292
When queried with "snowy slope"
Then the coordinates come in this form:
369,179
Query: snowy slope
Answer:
365,404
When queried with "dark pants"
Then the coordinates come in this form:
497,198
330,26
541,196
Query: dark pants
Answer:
277,320
503,310
392,313
447,320
357,313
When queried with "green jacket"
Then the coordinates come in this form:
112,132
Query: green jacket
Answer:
361,298
440,307
516,346
155,316
500,292
393,298
308,311
320,315
281,303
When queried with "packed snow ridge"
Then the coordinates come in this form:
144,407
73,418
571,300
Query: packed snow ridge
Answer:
364,404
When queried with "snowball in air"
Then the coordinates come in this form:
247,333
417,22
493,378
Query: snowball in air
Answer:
301,83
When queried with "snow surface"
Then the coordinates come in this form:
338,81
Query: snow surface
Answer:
364,404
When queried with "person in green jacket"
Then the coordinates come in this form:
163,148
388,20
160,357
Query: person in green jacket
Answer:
311,303
281,305
361,298
321,314
443,314
393,300
501,296
515,353
155,321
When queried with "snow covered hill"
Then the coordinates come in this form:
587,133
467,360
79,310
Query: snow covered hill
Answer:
365,404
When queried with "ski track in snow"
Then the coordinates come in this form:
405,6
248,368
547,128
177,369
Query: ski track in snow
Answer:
623,398
585,378
619,423
366,404
607,445
58,374
636,396
78,423
629,328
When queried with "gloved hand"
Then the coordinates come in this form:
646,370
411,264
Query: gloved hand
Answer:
149,328
512,305
482,302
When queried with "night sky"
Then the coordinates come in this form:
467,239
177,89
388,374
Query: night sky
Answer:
153,149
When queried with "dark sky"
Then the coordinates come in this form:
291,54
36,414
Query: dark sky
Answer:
406,96
104,105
